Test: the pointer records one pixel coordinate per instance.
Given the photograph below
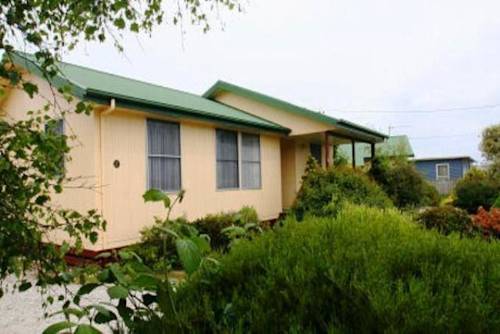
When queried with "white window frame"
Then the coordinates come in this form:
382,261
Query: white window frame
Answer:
148,181
444,178
240,161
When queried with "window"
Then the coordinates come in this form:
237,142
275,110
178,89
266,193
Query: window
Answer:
164,155
443,171
227,159
316,152
250,161
230,160
57,128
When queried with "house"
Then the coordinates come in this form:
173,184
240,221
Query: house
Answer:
229,148
392,146
444,172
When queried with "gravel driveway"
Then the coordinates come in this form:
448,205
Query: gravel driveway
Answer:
22,312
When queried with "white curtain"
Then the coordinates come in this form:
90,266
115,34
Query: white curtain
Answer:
164,156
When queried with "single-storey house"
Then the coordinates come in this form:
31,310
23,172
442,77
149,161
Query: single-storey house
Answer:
444,172
392,147
229,148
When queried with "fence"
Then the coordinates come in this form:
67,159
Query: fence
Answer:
444,186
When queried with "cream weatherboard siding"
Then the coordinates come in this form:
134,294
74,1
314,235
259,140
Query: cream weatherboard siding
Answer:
299,125
124,137
118,195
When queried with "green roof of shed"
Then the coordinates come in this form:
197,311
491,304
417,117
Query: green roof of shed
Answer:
100,86
392,146
222,86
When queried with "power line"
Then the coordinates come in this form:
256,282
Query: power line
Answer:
422,111
448,136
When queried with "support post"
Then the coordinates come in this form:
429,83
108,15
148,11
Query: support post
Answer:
353,153
373,151
327,151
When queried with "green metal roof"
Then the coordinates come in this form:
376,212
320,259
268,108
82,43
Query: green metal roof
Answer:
392,146
100,86
222,86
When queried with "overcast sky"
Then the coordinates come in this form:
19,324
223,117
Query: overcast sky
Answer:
341,57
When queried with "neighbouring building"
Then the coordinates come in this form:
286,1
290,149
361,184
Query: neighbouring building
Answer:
444,172
228,148
392,146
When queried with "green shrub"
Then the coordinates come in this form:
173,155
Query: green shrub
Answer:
157,248
447,219
323,191
476,189
403,183
214,225
368,271
497,203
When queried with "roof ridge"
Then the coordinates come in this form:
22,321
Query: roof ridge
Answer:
222,82
133,79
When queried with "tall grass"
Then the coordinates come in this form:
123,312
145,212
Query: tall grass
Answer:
368,270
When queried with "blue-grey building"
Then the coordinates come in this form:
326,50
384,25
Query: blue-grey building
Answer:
444,172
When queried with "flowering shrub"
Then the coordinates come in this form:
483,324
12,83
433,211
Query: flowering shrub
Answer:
489,222
447,219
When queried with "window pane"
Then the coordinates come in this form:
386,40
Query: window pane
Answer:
227,145
250,161
227,159
442,171
227,174
163,138
164,173
250,147
164,163
250,175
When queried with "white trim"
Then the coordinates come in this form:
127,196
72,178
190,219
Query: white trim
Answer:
447,177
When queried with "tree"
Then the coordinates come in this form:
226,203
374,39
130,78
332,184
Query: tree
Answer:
490,146
31,151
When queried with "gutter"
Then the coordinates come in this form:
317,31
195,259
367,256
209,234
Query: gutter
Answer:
99,96
360,128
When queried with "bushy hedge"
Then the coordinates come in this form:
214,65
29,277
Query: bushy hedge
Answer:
476,189
403,183
324,190
157,247
368,271
447,219
214,225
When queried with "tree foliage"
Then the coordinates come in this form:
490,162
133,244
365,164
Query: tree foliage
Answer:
490,146
30,157
402,182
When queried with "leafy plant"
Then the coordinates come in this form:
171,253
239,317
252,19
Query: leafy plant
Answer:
145,296
447,219
323,191
222,227
476,189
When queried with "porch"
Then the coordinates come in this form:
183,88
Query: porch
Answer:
295,151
